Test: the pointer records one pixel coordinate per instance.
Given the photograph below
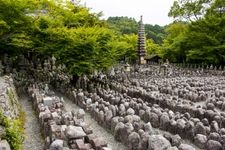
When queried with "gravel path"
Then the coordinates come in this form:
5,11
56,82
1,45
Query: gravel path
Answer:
33,138
97,129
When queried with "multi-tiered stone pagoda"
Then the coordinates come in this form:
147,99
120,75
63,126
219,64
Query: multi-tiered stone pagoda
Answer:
141,43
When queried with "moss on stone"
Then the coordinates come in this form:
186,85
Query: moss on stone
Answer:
14,128
12,97
14,131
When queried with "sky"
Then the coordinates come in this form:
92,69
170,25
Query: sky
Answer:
153,11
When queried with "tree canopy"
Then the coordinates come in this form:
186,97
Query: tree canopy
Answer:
70,32
84,42
200,39
125,25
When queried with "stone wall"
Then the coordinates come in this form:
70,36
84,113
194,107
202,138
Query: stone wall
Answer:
9,103
9,109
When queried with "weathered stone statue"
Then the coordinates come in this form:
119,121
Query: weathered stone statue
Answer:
54,66
164,67
23,62
5,59
1,68
127,67
53,60
85,82
49,64
46,65
211,67
112,72
95,73
63,67
7,62
46,89
59,67
195,66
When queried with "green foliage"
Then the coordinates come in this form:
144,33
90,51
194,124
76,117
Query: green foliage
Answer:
69,31
128,49
14,134
189,10
125,25
153,48
14,131
208,45
173,43
156,33
127,44
48,27
84,49
200,41
13,24
85,43
14,128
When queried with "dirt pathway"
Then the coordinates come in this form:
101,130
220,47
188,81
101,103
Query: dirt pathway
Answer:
33,138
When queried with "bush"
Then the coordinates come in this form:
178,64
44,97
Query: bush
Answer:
14,131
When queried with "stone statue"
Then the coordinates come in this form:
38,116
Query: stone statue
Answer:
46,89
164,67
85,82
49,64
5,59
53,67
63,67
95,73
112,72
46,65
53,60
1,68
39,67
127,67
23,62
211,67
59,67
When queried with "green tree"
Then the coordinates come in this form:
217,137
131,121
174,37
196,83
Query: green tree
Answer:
153,48
126,48
156,33
15,25
123,25
208,45
173,48
189,10
85,49
202,39
47,27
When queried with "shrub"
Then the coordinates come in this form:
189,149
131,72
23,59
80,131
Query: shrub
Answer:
14,131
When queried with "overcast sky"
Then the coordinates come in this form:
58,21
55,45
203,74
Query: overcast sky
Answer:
153,11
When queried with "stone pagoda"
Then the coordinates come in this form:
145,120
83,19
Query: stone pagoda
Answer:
141,51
